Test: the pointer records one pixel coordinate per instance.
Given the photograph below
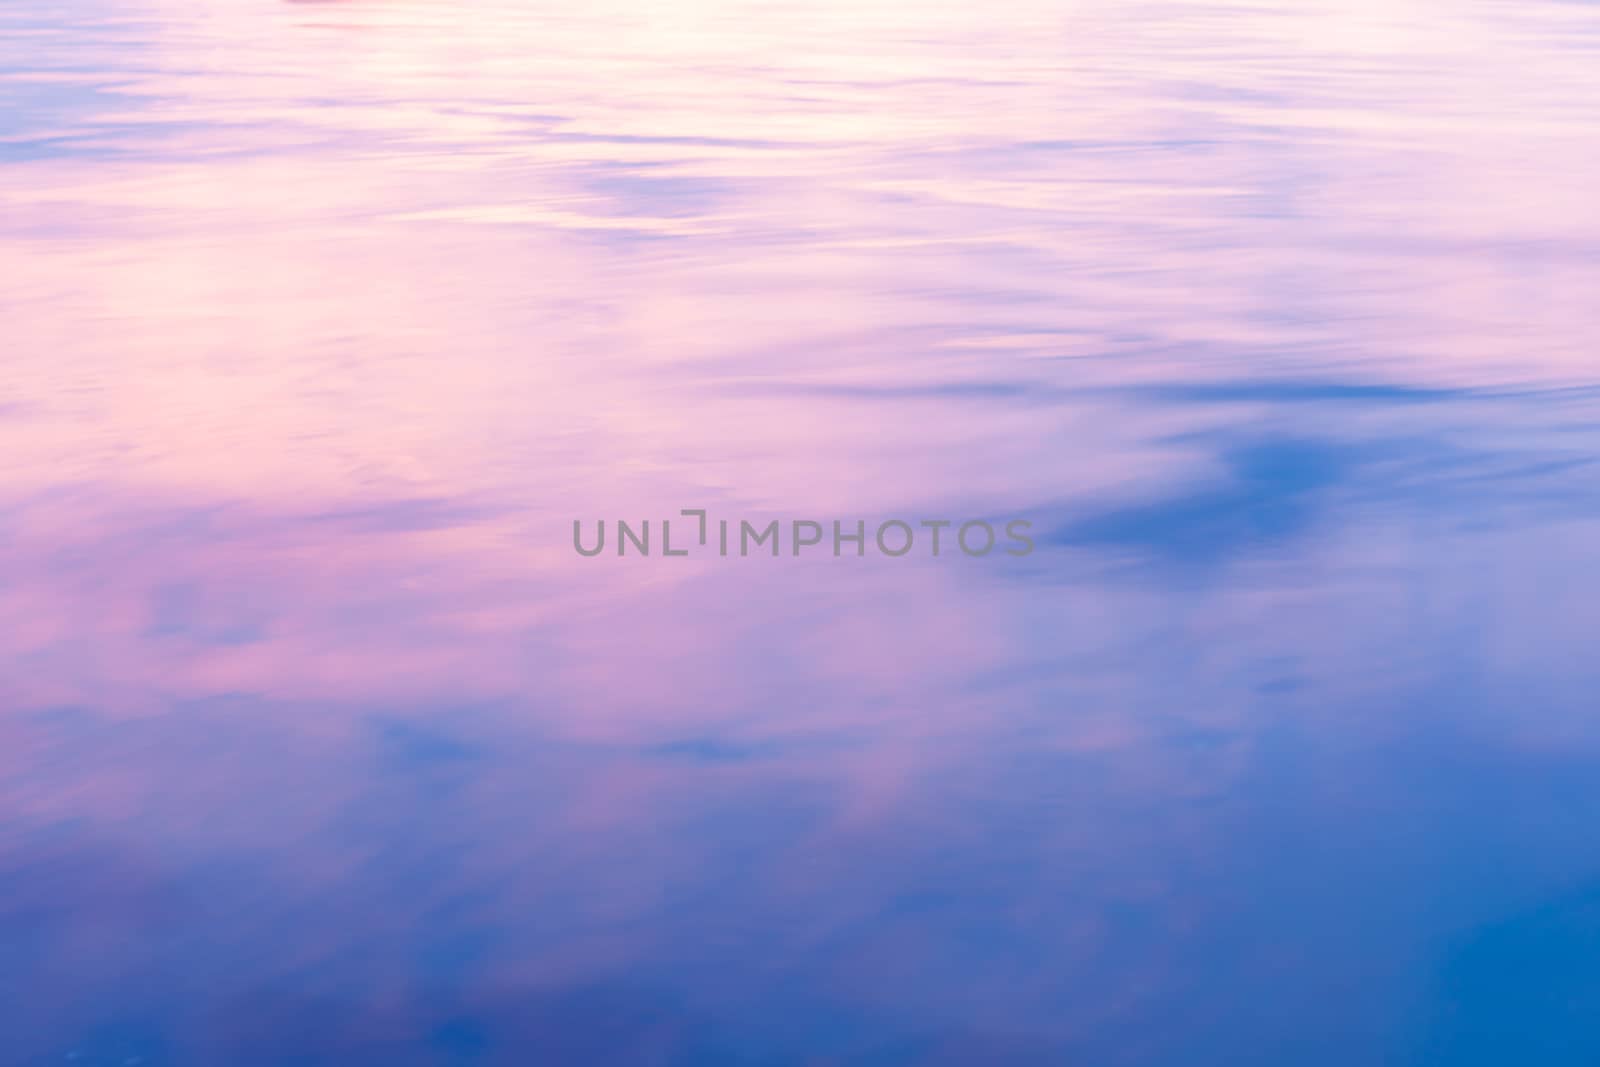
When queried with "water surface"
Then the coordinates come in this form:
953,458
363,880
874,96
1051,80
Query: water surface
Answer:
324,321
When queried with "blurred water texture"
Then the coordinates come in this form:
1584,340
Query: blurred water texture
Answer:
323,321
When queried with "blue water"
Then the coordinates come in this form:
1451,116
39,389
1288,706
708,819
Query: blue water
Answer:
322,323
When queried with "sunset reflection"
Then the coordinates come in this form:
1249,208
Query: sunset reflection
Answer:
324,321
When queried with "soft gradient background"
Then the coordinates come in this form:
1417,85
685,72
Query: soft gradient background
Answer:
321,322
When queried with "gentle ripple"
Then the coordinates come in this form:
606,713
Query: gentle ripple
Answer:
324,321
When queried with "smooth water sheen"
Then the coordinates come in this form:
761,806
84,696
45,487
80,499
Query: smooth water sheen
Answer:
321,323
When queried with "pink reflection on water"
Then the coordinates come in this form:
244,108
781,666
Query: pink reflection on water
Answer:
323,324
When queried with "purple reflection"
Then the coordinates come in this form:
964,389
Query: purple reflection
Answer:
320,744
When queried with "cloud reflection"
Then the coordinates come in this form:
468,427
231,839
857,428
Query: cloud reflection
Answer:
317,743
